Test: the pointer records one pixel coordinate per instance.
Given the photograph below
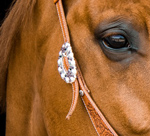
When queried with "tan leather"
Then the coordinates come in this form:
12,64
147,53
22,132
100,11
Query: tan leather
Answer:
62,20
75,89
100,124
55,1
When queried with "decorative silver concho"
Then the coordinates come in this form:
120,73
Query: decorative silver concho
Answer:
69,75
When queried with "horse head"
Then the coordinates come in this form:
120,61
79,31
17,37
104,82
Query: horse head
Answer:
110,41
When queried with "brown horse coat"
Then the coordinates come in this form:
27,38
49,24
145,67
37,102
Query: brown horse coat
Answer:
37,99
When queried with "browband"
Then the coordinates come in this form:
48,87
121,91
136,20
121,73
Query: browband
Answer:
70,73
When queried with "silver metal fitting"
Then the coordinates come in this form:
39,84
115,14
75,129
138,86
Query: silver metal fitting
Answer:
81,93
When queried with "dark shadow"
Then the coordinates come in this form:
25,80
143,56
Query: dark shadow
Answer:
2,124
4,6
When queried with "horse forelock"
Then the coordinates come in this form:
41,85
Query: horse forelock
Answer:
17,17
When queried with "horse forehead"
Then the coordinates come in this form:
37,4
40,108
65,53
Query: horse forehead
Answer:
103,5
137,11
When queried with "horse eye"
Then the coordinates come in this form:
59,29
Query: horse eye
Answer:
115,41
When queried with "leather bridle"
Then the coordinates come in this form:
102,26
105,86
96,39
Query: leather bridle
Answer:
70,72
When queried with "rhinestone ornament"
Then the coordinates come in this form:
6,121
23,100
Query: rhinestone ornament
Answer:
69,75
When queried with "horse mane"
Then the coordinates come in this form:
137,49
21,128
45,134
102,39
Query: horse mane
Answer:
19,14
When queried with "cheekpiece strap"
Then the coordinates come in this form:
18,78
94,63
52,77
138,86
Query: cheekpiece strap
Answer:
62,20
66,60
70,73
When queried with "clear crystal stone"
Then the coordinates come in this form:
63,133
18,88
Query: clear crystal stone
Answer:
62,75
72,63
60,53
59,61
72,79
67,79
67,44
59,69
70,55
69,48
74,71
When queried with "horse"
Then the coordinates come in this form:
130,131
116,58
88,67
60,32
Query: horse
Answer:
110,40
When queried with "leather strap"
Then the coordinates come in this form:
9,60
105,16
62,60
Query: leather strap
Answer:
62,20
55,1
75,89
65,32
99,122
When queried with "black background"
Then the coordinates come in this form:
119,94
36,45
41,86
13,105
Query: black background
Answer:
4,6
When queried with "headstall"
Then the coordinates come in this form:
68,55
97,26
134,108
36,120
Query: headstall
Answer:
70,73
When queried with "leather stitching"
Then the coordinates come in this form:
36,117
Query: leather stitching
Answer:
63,25
75,85
75,89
